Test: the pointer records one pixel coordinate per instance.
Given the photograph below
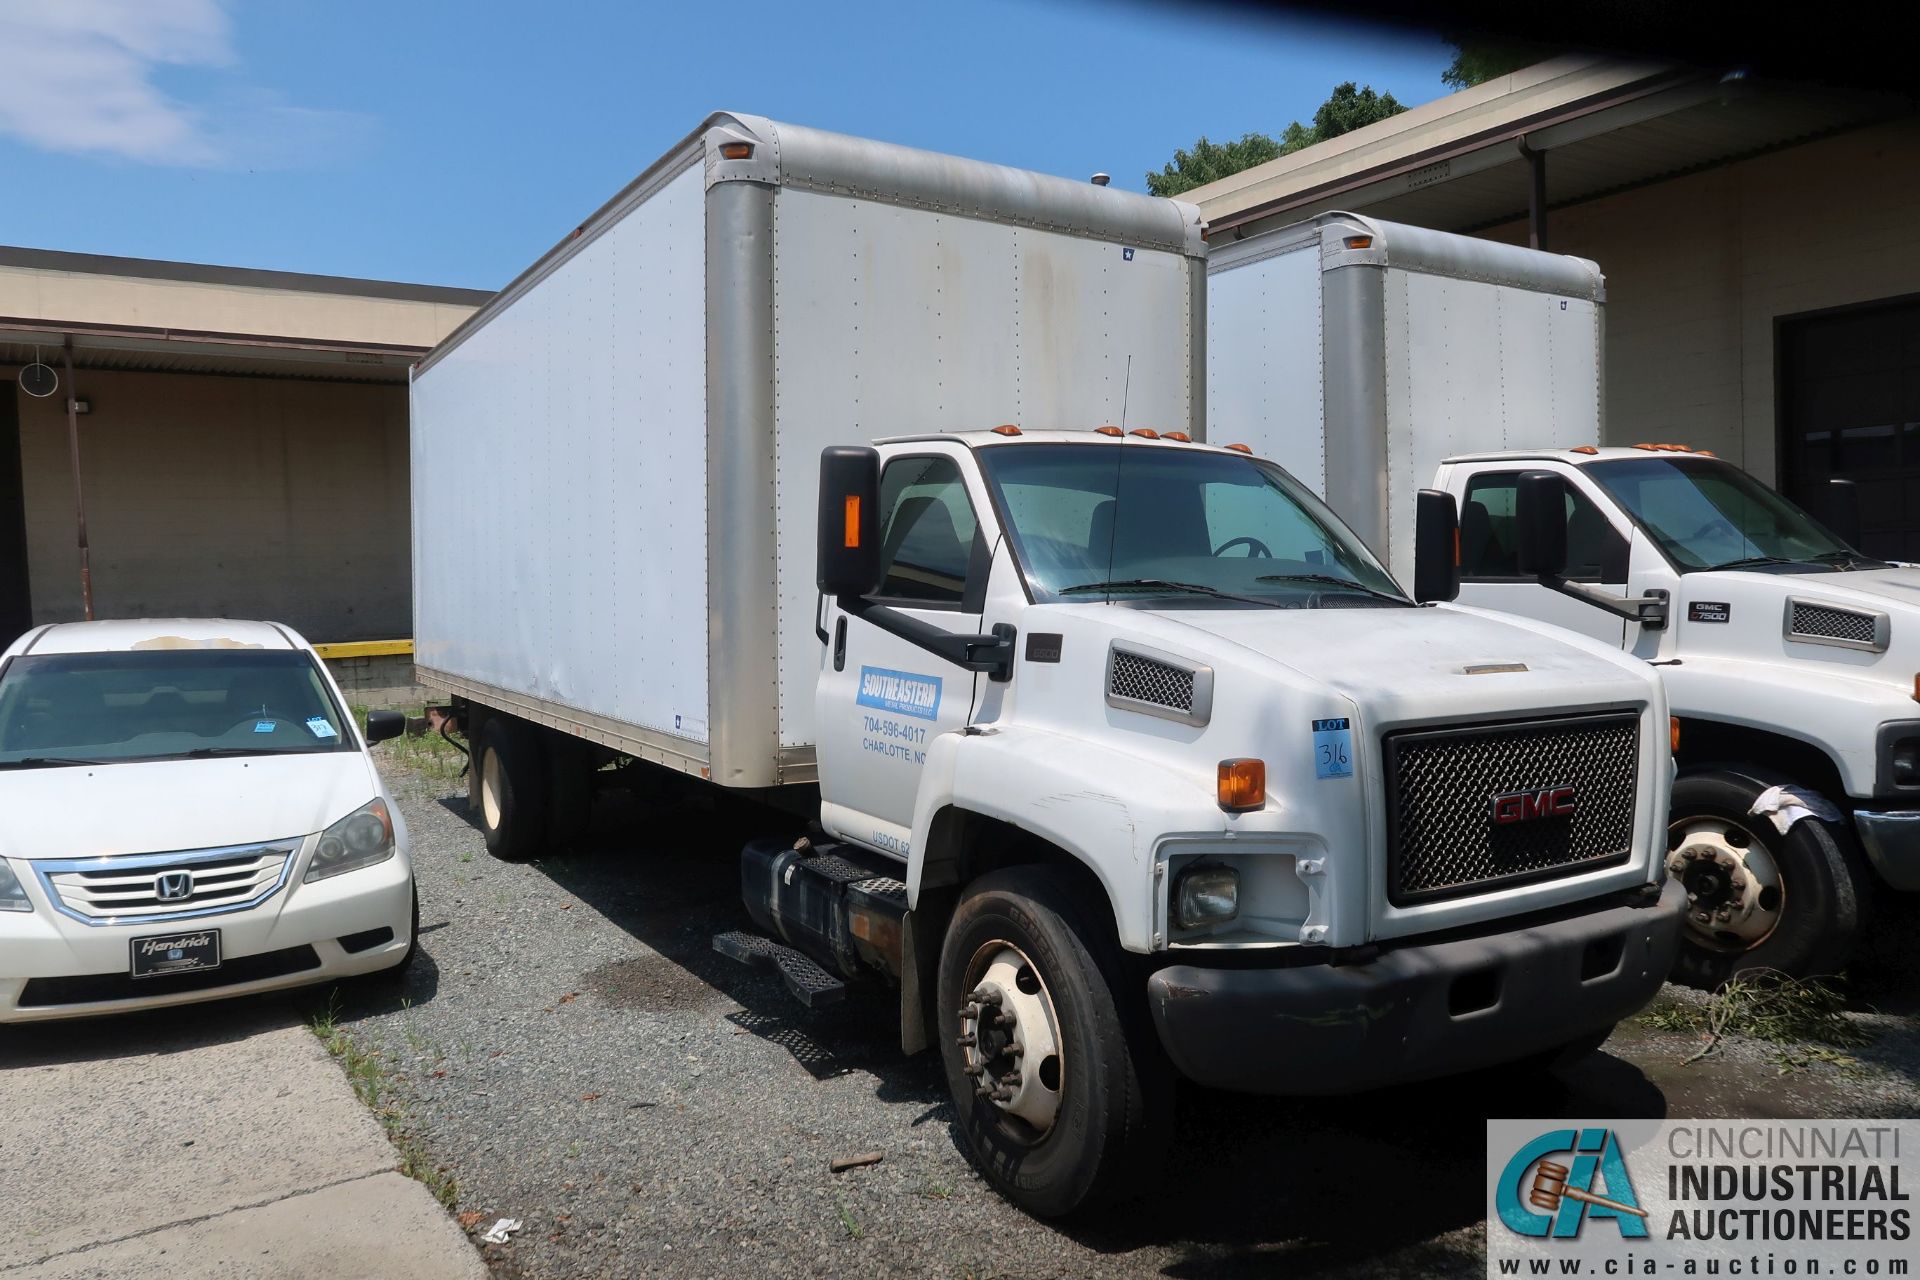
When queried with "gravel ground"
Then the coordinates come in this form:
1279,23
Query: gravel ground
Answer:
569,1049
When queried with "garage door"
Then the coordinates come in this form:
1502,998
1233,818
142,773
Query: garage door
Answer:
1850,396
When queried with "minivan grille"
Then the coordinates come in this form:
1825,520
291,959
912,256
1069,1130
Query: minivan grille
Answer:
1809,619
164,886
1565,787
1141,679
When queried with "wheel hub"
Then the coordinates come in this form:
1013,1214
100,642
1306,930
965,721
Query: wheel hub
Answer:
490,788
1010,1038
1734,894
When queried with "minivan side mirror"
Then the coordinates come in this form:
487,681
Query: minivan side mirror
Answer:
382,725
1843,511
849,563
1540,524
1436,546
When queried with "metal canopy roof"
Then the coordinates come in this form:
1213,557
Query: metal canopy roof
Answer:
226,354
1603,127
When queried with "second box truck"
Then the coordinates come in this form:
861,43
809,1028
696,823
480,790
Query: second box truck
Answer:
1127,757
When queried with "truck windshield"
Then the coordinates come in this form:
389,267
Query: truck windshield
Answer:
1117,520
63,709
1706,514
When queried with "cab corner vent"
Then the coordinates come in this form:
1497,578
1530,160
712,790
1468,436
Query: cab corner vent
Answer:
1158,684
1816,622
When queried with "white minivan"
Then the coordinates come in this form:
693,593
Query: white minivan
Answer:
187,812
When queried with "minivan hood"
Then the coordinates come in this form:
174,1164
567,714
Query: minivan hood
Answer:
80,811
1429,662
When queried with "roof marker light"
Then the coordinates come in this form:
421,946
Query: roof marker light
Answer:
1359,242
1181,436
1006,429
1585,448
1241,448
1145,433
1107,431
736,151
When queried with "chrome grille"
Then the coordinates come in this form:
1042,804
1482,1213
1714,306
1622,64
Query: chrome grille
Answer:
1141,679
1809,619
1443,784
114,890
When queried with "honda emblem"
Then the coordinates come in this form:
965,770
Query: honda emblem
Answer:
173,886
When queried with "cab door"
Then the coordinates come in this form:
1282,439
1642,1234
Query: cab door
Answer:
1490,576
880,700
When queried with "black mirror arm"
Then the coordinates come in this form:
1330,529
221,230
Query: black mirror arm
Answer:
1649,610
992,654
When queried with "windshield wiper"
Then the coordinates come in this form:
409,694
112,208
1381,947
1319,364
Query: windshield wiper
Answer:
1333,580
1163,585
209,753
1849,560
1754,562
51,762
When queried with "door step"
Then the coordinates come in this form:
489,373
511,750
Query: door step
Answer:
810,984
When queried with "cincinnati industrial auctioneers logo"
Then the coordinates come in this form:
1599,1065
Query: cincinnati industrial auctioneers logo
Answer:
1537,1196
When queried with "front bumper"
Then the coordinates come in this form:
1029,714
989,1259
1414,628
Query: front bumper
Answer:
1892,841
52,966
1417,1011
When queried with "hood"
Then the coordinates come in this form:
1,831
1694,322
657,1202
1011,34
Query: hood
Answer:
1896,587
1429,663
161,806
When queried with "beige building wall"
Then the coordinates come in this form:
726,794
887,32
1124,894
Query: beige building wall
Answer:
216,495
1699,268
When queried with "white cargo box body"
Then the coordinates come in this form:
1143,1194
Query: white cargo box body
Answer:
1358,354
615,462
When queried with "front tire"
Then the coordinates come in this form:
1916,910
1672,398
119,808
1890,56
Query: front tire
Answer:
1058,1104
1795,904
510,789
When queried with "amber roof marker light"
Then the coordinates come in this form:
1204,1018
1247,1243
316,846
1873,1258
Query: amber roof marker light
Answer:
736,151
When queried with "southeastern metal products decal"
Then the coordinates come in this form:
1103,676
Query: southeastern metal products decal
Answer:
901,692
1710,611
1700,1197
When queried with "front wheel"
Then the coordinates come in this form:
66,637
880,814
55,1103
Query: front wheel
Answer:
1758,899
1060,1106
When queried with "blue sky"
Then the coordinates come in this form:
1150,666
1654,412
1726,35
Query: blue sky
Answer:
452,143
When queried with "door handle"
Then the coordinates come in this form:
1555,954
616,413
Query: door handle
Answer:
839,644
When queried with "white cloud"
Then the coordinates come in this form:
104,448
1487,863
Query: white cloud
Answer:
78,76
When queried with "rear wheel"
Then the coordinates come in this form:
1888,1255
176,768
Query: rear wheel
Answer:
1758,899
509,789
1059,1104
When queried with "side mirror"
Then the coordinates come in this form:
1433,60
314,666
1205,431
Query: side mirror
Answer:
849,519
1436,546
382,725
1843,511
1540,524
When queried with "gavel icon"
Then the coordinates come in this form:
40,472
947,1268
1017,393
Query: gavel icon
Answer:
1550,1186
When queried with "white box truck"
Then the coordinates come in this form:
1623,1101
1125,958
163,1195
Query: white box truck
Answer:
1130,758
1383,359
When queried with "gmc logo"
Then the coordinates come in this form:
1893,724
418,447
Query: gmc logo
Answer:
1526,806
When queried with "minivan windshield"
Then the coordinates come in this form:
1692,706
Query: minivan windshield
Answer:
1707,514
1124,520
62,709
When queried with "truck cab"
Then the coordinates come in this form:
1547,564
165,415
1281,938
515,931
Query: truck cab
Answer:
1790,661
1133,759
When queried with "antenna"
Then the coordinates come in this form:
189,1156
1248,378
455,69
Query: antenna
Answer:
1126,389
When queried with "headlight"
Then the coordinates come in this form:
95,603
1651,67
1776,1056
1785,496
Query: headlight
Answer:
1206,895
1906,762
13,894
360,839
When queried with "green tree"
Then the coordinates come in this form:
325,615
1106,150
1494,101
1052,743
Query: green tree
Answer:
1209,161
1477,61
1347,108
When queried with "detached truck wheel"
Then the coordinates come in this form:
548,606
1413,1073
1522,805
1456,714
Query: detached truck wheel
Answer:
1757,899
510,789
1059,1106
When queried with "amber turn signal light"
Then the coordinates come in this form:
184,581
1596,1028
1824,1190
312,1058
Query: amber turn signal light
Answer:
1673,733
1243,785
853,520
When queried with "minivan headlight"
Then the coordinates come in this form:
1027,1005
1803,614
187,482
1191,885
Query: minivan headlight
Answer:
13,894
360,839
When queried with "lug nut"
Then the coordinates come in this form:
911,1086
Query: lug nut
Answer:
973,1069
1693,897
967,1042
